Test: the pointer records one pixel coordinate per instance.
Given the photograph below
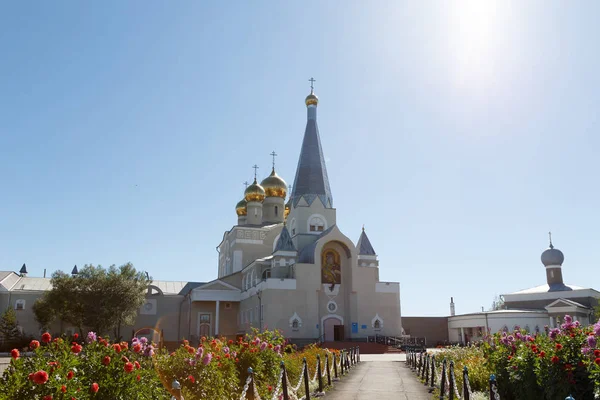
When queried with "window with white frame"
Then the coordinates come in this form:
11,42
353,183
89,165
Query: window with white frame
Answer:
316,224
295,325
20,304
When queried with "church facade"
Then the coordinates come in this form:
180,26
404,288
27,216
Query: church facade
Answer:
284,265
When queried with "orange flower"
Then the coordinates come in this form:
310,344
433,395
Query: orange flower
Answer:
14,353
559,346
137,348
117,347
34,344
191,379
63,389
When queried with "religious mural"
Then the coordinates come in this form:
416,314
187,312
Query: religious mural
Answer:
331,271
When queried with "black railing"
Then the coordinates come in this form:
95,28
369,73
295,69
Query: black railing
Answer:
423,364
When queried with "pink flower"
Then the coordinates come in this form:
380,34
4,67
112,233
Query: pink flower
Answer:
207,358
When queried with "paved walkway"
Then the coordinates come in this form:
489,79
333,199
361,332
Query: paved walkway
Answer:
379,377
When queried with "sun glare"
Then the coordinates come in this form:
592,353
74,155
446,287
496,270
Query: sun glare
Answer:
473,24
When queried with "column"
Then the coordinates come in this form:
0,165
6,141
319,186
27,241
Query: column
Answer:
462,335
551,324
217,319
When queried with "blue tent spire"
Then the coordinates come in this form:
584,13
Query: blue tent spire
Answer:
311,175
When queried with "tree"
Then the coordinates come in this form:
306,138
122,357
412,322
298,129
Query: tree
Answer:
96,298
9,331
498,303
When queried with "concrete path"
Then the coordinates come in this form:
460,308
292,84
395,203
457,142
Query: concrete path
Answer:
379,377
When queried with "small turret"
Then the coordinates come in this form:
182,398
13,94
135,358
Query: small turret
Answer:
367,257
23,271
74,271
552,259
254,195
275,193
452,309
285,256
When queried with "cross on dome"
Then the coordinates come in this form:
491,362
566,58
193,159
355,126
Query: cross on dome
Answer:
273,154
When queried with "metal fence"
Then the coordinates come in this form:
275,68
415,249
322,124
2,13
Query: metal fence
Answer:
326,372
424,365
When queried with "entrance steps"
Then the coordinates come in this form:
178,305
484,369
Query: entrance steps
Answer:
365,348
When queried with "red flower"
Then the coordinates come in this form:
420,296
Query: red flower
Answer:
138,377
63,389
509,358
70,375
94,388
40,377
128,367
191,379
106,360
137,365
186,342
34,344
230,342
270,388
103,342
542,354
30,376
76,348
568,367
137,348
219,365
558,346
75,336
597,353
237,360
47,397
117,347
555,360
46,338
14,353
597,361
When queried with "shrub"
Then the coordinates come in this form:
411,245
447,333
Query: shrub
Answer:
67,368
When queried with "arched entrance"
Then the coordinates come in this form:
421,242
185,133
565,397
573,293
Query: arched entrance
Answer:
332,328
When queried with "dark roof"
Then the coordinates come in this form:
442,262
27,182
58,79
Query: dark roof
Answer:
190,286
307,255
364,245
311,175
284,243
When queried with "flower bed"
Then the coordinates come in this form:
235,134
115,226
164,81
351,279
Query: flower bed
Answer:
96,369
549,366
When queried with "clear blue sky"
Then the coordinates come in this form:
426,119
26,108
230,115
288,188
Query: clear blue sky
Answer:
459,133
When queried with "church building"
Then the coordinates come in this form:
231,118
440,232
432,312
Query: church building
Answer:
284,265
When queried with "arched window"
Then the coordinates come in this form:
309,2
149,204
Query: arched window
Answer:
377,325
537,329
295,325
20,304
527,328
316,224
276,211
266,274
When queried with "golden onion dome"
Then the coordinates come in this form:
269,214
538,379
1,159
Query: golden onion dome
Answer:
254,192
274,185
287,210
311,99
240,208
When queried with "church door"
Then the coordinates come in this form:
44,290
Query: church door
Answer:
204,321
338,333
330,329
